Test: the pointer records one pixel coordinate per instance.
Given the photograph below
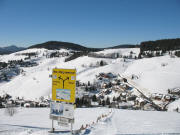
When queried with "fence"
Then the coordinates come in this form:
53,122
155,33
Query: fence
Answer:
84,127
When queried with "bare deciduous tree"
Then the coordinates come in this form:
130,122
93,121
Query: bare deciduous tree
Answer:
10,109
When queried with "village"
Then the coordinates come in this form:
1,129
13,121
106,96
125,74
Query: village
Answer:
114,91
107,90
14,68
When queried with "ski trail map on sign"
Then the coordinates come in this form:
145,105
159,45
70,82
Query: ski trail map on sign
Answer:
64,85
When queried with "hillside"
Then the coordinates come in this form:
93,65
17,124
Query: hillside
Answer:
36,81
163,44
149,75
156,74
53,45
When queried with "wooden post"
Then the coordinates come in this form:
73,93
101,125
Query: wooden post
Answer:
52,129
71,128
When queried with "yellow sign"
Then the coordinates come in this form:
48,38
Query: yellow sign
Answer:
64,85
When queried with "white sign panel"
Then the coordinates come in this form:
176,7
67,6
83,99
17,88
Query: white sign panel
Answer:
63,124
62,110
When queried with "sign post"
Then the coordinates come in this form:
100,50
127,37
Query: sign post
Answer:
52,128
63,97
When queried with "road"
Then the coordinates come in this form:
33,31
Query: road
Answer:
144,92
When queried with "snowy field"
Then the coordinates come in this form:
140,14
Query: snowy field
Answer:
158,74
33,121
37,120
139,122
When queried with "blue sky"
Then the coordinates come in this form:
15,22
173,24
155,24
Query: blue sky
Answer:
92,23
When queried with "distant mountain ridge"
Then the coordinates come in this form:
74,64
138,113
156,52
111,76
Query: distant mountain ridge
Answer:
10,49
163,44
51,45
123,46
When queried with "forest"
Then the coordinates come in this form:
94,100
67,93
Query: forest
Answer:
164,44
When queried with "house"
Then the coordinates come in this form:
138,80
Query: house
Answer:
94,104
174,97
140,102
156,96
174,91
43,104
125,80
131,97
167,97
19,102
123,96
126,105
107,92
114,82
110,75
2,104
123,87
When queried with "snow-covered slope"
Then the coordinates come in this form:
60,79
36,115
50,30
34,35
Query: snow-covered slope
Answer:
19,55
121,51
158,74
36,82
